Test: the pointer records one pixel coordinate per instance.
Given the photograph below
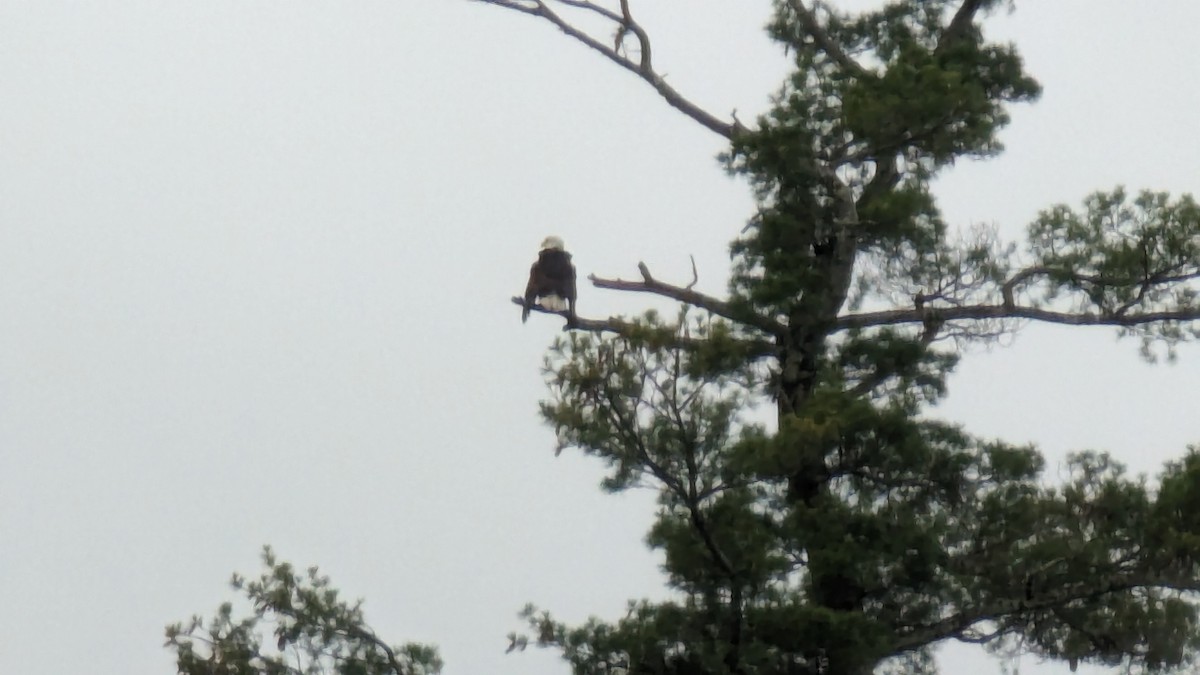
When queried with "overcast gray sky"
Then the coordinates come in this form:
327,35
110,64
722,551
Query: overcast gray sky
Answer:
255,262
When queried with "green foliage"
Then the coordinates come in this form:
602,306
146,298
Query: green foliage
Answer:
645,406
919,522
314,632
812,518
1121,254
924,105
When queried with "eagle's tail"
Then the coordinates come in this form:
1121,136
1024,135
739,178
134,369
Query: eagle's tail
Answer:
554,303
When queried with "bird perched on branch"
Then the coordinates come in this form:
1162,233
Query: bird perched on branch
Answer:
552,279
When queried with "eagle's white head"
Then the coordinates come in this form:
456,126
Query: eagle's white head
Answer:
553,242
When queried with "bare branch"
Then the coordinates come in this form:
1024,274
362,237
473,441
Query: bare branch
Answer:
642,68
531,7
695,275
1144,283
369,635
958,26
623,29
934,318
649,284
755,349
976,312
625,25
826,44
609,325
954,626
1006,291
625,11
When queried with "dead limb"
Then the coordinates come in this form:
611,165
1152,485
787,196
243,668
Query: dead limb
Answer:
895,317
755,349
686,295
642,67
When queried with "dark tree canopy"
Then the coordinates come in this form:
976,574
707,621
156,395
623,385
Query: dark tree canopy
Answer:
856,532
853,532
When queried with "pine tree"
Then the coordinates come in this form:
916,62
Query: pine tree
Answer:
853,533
313,631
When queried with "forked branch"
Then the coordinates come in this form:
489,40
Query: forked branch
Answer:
1143,282
755,349
932,317
824,42
960,24
643,67
686,295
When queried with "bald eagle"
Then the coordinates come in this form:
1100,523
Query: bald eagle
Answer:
551,278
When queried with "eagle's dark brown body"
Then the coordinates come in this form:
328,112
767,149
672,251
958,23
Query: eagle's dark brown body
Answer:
552,277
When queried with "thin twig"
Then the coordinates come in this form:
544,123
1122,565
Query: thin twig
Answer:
955,625
642,68
754,349
894,317
649,284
